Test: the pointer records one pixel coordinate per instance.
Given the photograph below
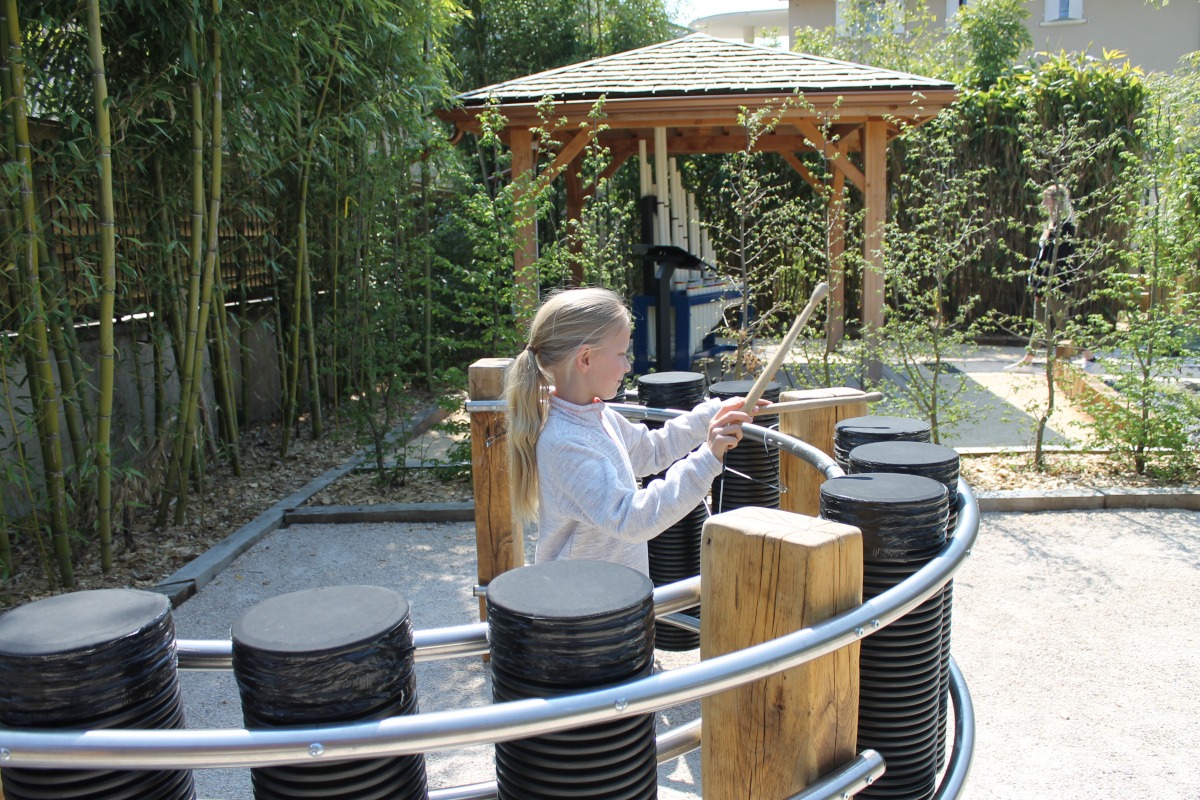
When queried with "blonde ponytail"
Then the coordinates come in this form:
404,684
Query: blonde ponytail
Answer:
567,320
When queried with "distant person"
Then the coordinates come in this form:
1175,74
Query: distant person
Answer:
1052,272
575,462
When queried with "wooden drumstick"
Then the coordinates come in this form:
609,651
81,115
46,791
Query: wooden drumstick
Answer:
760,385
818,402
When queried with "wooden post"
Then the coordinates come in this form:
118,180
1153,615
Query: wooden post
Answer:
525,255
835,323
497,548
766,573
875,167
815,426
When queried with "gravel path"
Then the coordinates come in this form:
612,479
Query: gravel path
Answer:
1076,631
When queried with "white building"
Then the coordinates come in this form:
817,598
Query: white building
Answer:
1154,38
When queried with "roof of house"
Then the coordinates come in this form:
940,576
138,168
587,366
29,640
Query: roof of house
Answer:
698,65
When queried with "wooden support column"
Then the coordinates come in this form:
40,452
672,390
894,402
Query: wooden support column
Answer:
875,158
525,254
766,573
575,200
835,324
497,547
815,426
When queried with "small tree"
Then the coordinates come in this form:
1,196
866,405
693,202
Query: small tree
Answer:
939,225
1156,287
1059,147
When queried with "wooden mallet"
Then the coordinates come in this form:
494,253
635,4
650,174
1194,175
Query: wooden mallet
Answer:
785,346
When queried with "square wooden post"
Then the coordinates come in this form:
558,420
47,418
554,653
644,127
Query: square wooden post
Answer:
815,426
497,548
767,573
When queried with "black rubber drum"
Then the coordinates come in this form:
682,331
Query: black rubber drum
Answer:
678,390
567,626
850,433
941,464
674,554
751,474
903,524
92,660
324,656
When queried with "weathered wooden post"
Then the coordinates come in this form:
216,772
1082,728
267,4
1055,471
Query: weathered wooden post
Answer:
815,426
498,549
766,573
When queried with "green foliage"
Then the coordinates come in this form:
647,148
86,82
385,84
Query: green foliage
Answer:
995,33
1154,421
938,228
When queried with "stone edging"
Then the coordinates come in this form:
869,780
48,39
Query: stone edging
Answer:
1186,498
197,573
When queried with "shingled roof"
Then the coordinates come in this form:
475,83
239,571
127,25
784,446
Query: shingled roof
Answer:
699,65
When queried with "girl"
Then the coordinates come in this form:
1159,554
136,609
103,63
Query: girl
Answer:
1053,270
575,462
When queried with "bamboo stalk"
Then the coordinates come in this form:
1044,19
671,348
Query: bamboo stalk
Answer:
108,290
299,306
41,375
175,487
210,261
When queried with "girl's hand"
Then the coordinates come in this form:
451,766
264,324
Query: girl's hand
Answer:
725,429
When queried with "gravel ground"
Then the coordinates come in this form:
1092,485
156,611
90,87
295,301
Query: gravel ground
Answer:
1076,631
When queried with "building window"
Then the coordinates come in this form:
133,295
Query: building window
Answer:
952,7
870,17
1064,10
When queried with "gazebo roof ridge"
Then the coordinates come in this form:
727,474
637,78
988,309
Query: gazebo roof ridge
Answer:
698,65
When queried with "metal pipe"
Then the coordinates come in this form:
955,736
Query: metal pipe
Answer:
445,730
683,621
963,750
847,780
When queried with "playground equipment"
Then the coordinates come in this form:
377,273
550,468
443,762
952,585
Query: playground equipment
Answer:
125,749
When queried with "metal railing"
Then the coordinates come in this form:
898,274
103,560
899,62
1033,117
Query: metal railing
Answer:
446,730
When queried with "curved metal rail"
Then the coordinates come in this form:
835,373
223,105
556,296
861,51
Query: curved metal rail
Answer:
445,730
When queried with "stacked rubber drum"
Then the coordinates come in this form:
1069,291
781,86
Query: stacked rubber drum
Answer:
751,474
91,660
324,656
675,553
563,627
899,492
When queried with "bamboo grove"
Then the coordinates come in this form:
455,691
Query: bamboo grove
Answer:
227,211
188,187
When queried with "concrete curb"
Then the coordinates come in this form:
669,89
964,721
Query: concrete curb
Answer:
1186,498
197,573
384,512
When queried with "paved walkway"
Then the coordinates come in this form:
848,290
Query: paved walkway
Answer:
1076,632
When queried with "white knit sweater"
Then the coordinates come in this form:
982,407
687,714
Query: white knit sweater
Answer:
589,458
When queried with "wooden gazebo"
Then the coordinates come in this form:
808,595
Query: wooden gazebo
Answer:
685,95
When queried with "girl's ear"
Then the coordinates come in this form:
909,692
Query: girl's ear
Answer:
583,358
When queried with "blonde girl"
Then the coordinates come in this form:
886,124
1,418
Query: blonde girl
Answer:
575,462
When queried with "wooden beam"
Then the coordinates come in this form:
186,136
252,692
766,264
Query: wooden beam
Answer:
715,110
618,160
794,161
842,164
566,155
835,326
575,202
875,156
525,253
